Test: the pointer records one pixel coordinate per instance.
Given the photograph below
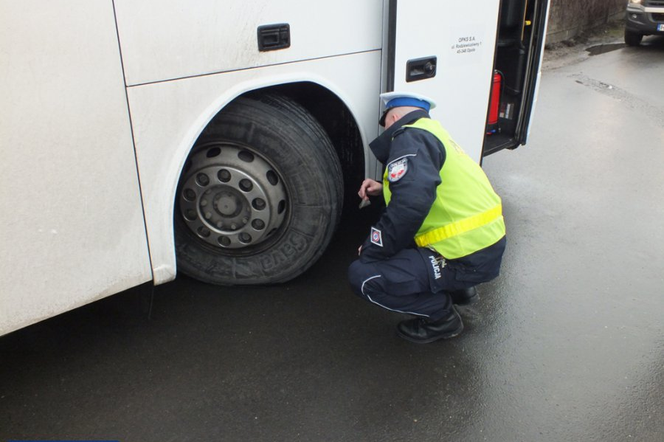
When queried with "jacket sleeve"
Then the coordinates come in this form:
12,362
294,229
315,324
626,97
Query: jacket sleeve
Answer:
412,195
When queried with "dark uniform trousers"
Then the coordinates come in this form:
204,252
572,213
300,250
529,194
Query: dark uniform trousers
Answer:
416,281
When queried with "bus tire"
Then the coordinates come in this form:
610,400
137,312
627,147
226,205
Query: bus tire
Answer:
260,195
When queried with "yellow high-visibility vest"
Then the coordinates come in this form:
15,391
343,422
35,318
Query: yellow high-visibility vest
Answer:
467,214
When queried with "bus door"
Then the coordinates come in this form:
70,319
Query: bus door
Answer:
453,51
519,50
445,50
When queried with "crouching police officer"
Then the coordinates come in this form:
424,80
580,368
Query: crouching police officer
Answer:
442,231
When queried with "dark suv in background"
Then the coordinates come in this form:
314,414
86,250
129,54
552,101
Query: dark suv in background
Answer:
644,17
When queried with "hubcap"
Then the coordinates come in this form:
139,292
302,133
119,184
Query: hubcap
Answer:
232,197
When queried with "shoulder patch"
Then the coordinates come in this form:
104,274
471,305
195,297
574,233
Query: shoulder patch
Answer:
376,237
397,169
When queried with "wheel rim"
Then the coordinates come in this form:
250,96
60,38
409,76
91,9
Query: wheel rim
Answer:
232,198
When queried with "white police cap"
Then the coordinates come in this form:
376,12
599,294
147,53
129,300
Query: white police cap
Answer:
398,99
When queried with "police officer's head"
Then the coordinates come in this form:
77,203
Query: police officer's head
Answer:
398,104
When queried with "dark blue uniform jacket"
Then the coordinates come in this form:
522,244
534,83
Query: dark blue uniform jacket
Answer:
414,194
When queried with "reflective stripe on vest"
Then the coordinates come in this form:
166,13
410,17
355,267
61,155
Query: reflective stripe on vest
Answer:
459,227
467,214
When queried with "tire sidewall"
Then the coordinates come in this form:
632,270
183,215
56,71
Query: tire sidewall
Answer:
312,201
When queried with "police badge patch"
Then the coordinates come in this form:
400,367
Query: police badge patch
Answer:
376,237
397,169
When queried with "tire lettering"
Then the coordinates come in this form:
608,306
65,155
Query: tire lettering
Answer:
286,251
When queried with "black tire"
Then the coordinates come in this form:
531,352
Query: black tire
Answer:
260,196
632,38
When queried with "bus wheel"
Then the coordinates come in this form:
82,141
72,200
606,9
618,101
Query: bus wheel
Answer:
260,195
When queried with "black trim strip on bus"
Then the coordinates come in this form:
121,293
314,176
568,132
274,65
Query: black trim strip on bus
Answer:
391,45
536,40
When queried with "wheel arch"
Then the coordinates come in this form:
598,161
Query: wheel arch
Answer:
324,102
338,121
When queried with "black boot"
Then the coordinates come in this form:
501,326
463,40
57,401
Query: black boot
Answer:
423,331
465,296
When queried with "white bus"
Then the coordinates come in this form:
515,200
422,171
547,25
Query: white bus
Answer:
217,137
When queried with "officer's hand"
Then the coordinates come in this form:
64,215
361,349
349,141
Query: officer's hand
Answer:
369,188
359,251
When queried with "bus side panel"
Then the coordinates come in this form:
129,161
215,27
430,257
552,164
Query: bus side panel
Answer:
169,39
72,228
169,116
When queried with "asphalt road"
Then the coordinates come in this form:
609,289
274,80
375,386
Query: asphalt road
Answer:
567,345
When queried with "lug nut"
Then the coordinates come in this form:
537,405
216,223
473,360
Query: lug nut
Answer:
189,195
202,179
